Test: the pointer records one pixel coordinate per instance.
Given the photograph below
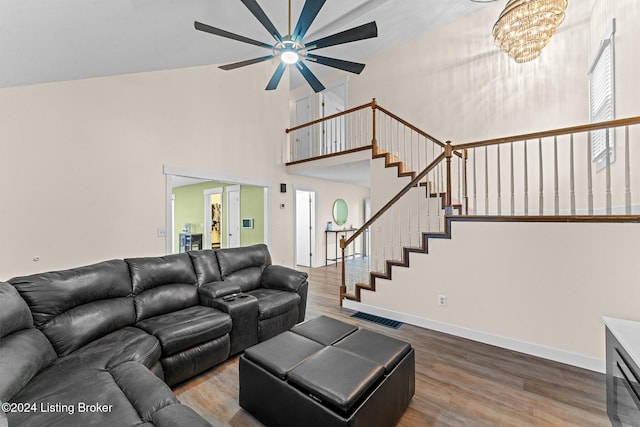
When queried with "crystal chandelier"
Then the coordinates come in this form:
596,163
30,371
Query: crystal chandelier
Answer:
525,27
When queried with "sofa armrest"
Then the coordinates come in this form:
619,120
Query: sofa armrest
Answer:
212,290
283,278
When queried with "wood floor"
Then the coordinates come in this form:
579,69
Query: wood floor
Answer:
458,382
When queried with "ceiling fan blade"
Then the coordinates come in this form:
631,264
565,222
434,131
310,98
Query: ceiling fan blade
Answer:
257,11
309,12
352,67
245,63
362,32
277,75
222,33
309,77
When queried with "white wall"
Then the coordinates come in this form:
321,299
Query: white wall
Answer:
543,284
81,164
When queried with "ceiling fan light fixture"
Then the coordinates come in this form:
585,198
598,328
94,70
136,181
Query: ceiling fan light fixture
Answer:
289,56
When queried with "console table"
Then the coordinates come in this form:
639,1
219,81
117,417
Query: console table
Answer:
623,372
337,242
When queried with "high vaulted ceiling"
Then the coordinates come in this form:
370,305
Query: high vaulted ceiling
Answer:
56,40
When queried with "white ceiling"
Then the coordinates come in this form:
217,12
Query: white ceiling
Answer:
47,41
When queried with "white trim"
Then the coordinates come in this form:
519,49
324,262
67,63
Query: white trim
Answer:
314,259
545,352
215,176
267,216
170,170
206,194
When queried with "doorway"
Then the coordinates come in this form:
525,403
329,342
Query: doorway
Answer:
305,227
213,218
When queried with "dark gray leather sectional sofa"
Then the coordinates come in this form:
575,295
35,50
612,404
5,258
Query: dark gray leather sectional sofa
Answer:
101,344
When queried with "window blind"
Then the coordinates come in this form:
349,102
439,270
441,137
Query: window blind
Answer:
602,102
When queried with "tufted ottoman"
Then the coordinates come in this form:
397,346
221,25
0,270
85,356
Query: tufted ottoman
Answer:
325,373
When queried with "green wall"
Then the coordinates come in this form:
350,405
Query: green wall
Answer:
189,207
252,206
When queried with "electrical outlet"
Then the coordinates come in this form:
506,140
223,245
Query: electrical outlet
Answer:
162,232
442,300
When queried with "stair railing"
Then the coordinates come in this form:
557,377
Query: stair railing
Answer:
557,172
601,185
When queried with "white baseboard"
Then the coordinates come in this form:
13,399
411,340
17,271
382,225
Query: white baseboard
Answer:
557,355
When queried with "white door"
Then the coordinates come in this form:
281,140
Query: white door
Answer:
334,132
305,227
302,146
233,216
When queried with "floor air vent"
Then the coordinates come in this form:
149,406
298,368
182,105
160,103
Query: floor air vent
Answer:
377,319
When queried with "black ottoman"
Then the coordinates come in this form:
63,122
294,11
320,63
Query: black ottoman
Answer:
326,373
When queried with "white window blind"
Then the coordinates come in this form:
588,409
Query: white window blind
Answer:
602,100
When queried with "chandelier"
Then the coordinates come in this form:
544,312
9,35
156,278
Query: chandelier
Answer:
525,27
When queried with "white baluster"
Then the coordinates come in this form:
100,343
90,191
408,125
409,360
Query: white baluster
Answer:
475,188
541,175
627,173
486,180
513,190
589,176
572,182
526,180
499,186
556,189
608,171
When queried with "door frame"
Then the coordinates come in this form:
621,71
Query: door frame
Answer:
314,235
170,171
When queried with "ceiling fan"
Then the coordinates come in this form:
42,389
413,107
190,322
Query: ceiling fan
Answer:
290,49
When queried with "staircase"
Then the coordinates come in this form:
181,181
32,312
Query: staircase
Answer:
421,185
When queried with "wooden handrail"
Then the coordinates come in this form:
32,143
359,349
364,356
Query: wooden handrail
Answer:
410,126
556,132
414,182
333,116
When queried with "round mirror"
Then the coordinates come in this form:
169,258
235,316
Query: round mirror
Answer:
340,212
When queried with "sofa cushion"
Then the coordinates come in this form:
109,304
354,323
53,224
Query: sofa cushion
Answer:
205,264
22,355
74,307
195,360
128,344
186,328
283,278
14,312
151,272
272,302
129,393
243,266
162,284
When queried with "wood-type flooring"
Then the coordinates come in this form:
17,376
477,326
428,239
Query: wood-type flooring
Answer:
458,382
